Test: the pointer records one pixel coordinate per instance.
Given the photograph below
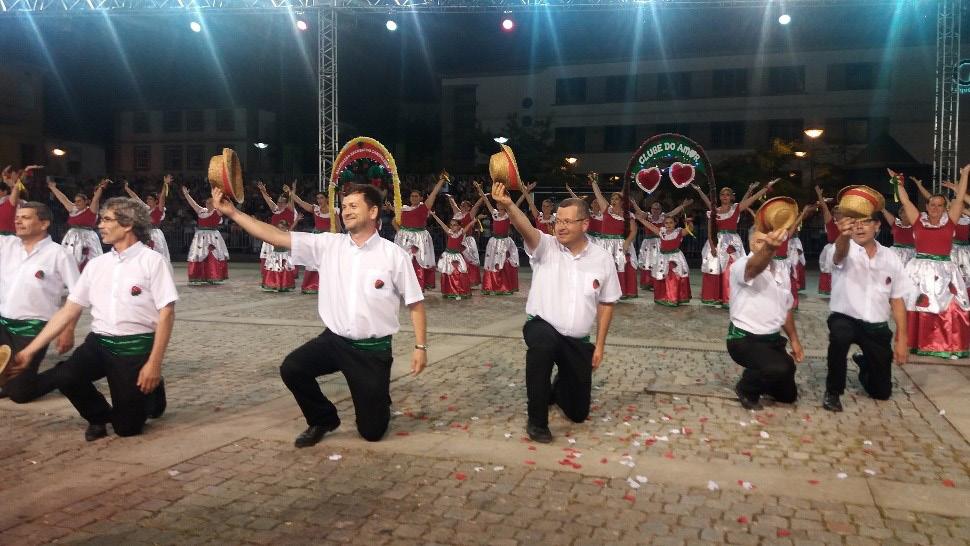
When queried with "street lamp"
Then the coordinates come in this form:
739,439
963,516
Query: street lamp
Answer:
800,154
813,133
58,152
572,160
500,139
261,145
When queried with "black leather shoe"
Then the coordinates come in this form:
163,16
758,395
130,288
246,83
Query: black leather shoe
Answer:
831,402
95,431
746,401
155,402
313,434
538,434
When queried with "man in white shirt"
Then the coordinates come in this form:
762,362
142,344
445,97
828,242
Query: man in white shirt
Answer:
574,283
132,297
868,285
761,307
34,270
363,279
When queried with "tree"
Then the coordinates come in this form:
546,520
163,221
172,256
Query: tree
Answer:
536,153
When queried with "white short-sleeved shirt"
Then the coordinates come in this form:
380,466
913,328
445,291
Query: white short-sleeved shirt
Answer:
361,288
566,289
862,286
760,306
32,284
125,290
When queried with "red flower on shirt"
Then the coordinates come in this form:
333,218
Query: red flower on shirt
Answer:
135,290
39,275
889,280
923,301
596,284
151,245
378,284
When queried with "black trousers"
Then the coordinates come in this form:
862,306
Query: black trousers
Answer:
573,359
875,340
368,375
768,368
28,385
90,362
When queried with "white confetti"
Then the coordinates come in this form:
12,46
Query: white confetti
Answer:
32,461
609,434
765,435
867,442
474,418
498,468
335,457
870,471
665,418
511,384
606,419
748,486
677,398
398,413
642,479
712,485
743,423
675,431
841,475
663,438
571,440
652,421
626,423
632,483
173,473
636,443
479,468
508,434
942,412
577,455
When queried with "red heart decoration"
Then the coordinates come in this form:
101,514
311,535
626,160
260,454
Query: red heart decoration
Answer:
923,301
378,284
682,174
596,283
648,179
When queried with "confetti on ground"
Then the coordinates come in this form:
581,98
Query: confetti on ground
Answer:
498,468
867,442
398,413
746,485
765,435
814,482
742,519
529,462
632,483
600,483
949,483
479,468
335,457
782,533
642,479
841,475
173,473
712,485
460,476
402,433
508,434
870,471
630,497
942,412
571,440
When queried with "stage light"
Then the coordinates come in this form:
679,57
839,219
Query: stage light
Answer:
572,160
784,19
814,133
58,152
301,25
261,145
500,139
800,154
391,25
508,25
195,26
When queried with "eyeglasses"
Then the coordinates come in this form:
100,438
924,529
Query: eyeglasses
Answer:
108,219
568,222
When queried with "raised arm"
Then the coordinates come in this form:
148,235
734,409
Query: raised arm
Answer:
295,197
911,211
443,225
476,207
807,211
429,202
96,198
751,187
484,198
956,205
746,203
188,198
19,183
527,193
822,204
604,204
455,209
262,191
890,219
260,230
761,259
131,193
704,198
650,227
681,207
953,187
530,235
919,186
572,193
163,193
12,180
52,186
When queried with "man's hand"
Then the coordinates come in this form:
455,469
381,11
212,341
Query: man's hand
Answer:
774,239
419,361
149,376
846,226
753,185
796,350
500,195
221,204
597,357
530,187
65,341
167,179
965,170
20,362
894,174
818,192
901,350
51,184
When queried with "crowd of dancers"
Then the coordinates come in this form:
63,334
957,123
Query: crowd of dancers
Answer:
583,258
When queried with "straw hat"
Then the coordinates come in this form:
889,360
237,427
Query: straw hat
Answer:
860,201
4,360
776,213
225,173
502,168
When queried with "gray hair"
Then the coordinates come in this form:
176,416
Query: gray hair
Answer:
581,204
131,213
42,210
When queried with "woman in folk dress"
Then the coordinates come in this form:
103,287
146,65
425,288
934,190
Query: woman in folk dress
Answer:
322,218
455,281
208,256
81,240
830,217
155,203
413,235
671,275
467,214
279,272
650,247
501,275
612,238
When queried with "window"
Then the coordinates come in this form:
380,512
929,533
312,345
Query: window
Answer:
195,121
854,76
727,135
856,131
675,85
139,123
172,121
732,82
142,158
571,91
619,138
173,158
786,130
225,120
527,102
195,157
571,139
786,80
620,88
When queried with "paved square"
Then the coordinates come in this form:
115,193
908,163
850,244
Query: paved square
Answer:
667,456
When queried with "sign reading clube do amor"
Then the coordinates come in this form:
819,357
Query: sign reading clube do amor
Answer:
676,156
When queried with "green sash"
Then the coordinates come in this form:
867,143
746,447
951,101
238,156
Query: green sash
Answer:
371,343
734,333
415,229
934,257
133,345
25,328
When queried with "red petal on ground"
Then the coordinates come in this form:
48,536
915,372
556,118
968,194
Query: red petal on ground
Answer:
630,497
460,476
528,461
443,397
949,483
814,482
577,465
742,519
669,455
627,417
402,433
783,533
600,483
532,448
746,453
603,460
703,419
452,408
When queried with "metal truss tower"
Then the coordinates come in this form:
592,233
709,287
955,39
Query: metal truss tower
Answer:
946,125
327,100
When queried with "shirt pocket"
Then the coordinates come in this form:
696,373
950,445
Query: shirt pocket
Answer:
378,284
591,284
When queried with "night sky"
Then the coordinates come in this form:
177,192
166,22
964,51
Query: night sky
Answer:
99,64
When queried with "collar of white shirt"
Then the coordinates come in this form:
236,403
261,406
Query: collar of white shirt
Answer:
38,246
565,250
371,241
129,252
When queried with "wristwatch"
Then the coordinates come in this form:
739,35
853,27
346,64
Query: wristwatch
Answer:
420,346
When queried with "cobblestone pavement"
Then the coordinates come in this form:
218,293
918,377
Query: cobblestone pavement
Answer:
667,456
